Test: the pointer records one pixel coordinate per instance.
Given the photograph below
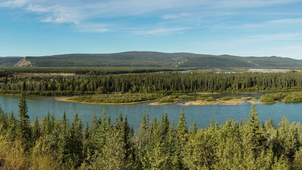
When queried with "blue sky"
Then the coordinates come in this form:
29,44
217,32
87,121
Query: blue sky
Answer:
237,27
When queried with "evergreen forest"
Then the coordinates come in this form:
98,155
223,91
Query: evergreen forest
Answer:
111,143
163,82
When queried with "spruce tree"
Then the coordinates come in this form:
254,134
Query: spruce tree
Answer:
182,135
194,130
254,135
182,129
36,131
24,122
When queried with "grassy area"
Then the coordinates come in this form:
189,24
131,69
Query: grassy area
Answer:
114,98
132,98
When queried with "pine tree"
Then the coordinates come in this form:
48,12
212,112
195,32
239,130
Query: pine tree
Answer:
76,137
143,127
194,130
182,136
3,121
24,122
36,131
182,129
254,135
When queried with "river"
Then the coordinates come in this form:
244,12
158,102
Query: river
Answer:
202,115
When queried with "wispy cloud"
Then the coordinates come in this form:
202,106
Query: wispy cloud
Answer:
39,9
92,27
57,13
77,12
13,3
272,37
249,41
160,31
177,16
249,3
285,22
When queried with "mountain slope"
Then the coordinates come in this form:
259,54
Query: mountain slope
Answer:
157,59
127,59
9,61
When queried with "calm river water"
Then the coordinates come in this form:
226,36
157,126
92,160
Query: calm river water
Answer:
200,114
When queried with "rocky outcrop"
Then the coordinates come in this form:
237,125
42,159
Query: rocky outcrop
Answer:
24,63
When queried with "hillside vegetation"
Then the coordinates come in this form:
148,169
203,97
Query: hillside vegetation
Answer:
9,61
150,59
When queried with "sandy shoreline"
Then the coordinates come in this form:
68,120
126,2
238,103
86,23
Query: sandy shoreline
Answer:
69,99
218,102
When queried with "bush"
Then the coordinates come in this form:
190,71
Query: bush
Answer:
267,98
293,98
226,98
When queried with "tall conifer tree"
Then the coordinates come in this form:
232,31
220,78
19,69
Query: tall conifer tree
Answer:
24,128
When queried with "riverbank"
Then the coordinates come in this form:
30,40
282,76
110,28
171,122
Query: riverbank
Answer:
112,99
132,98
222,101
70,99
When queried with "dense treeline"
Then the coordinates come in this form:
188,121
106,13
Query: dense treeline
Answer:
10,71
158,144
150,83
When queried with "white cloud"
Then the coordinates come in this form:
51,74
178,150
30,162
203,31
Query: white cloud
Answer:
39,9
160,31
249,3
92,27
107,8
177,16
13,3
285,22
57,13
176,11
250,41
271,38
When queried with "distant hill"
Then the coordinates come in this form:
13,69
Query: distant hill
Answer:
149,59
9,61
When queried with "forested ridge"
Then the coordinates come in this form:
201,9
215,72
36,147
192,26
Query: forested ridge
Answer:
166,82
149,59
107,143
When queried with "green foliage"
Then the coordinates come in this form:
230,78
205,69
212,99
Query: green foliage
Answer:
209,99
294,97
167,99
117,98
267,98
286,97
